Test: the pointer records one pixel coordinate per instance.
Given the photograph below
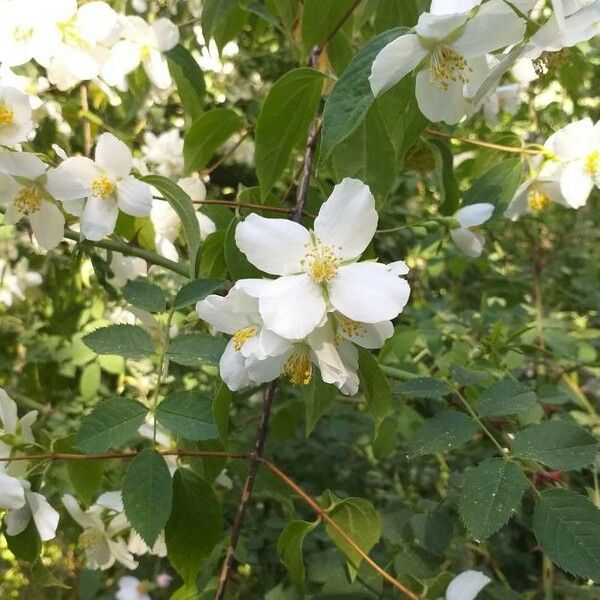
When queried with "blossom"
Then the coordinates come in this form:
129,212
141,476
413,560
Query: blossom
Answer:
467,585
23,191
448,51
14,431
107,185
506,98
15,116
22,33
103,544
145,44
468,240
164,152
126,268
318,269
15,280
131,588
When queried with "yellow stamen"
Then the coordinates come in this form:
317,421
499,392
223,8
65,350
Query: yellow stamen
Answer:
321,262
22,34
537,201
446,66
297,367
145,52
68,31
592,163
349,327
241,336
28,200
6,115
103,187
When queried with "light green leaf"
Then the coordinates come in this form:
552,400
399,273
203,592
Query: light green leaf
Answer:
129,341
148,494
374,385
447,185
289,548
283,122
195,349
189,415
189,81
318,396
492,491
145,295
558,444
446,430
497,185
90,380
194,291
567,527
112,422
506,397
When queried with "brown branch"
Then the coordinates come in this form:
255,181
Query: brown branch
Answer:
236,204
340,23
229,153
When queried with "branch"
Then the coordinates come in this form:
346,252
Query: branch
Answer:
228,154
236,204
340,23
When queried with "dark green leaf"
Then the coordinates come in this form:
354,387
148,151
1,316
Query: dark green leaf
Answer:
195,349
145,295
374,385
433,531
189,415
445,431
129,341
195,291
497,185
318,396
238,265
423,387
506,397
289,548
189,81
320,18
26,545
444,174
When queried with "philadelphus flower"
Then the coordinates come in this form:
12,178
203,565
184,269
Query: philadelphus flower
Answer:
131,588
318,270
467,585
14,431
15,116
126,268
145,44
23,191
14,281
106,184
470,241
164,152
448,50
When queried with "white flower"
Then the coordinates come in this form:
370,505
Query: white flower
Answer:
107,185
469,241
466,586
164,152
506,98
319,270
577,146
15,116
136,545
447,51
14,431
126,268
103,544
15,280
145,44
23,191
131,588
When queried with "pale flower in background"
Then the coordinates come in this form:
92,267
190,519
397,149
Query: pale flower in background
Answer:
164,152
22,32
465,237
14,281
131,588
15,116
467,585
505,99
126,268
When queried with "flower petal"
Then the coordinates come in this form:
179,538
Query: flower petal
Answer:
83,519
134,197
268,369
16,520
576,184
22,164
113,156
438,27
468,241
449,7
467,585
438,104
166,32
228,314
367,335
347,220
474,214
232,368
44,516
48,225
12,494
72,179
99,218
8,412
367,292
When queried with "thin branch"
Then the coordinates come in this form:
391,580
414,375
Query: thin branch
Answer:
263,207
229,153
86,125
340,23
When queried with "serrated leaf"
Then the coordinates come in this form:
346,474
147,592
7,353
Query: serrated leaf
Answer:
189,81
422,387
374,385
129,341
112,422
195,349
567,527
189,415
492,491
194,291
464,376
506,397
148,494
283,122
145,295
289,548
445,431
195,524
206,135
182,204
558,444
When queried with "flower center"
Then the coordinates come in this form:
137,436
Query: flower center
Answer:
103,187
6,115
320,262
91,538
143,587
297,367
241,336
22,34
145,52
537,201
446,65
68,31
592,163
349,327
28,200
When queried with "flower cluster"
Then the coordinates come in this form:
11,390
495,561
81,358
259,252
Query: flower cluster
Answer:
322,303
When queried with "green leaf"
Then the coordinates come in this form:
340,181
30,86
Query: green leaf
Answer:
145,295
567,527
206,135
497,185
286,10
129,341
90,380
444,173
112,422
319,19
189,81
374,385
506,397
358,518
220,409
433,531
183,206
195,349
26,545
189,415
222,20
446,430
289,548
195,524
148,494
318,396
351,96
238,265
194,291
422,387
492,491
558,444
283,122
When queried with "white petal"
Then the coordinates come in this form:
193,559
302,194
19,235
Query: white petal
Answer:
438,27
165,247
448,7
72,179
167,34
124,58
232,368
44,516
575,184
574,140
194,187
474,214
367,335
467,585
118,549
111,500
398,267
48,225
16,520
273,245
22,164
329,361
113,156
470,242
395,61
368,292
99,218
292,306
206,225
12,495
80,517
225,315
98,22
25,423
8,412
347,220
349,355
268,369
265,343
157,69
134,197
518,205
438,104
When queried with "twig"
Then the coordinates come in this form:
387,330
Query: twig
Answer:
86,125
236,204
340,23
229,153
